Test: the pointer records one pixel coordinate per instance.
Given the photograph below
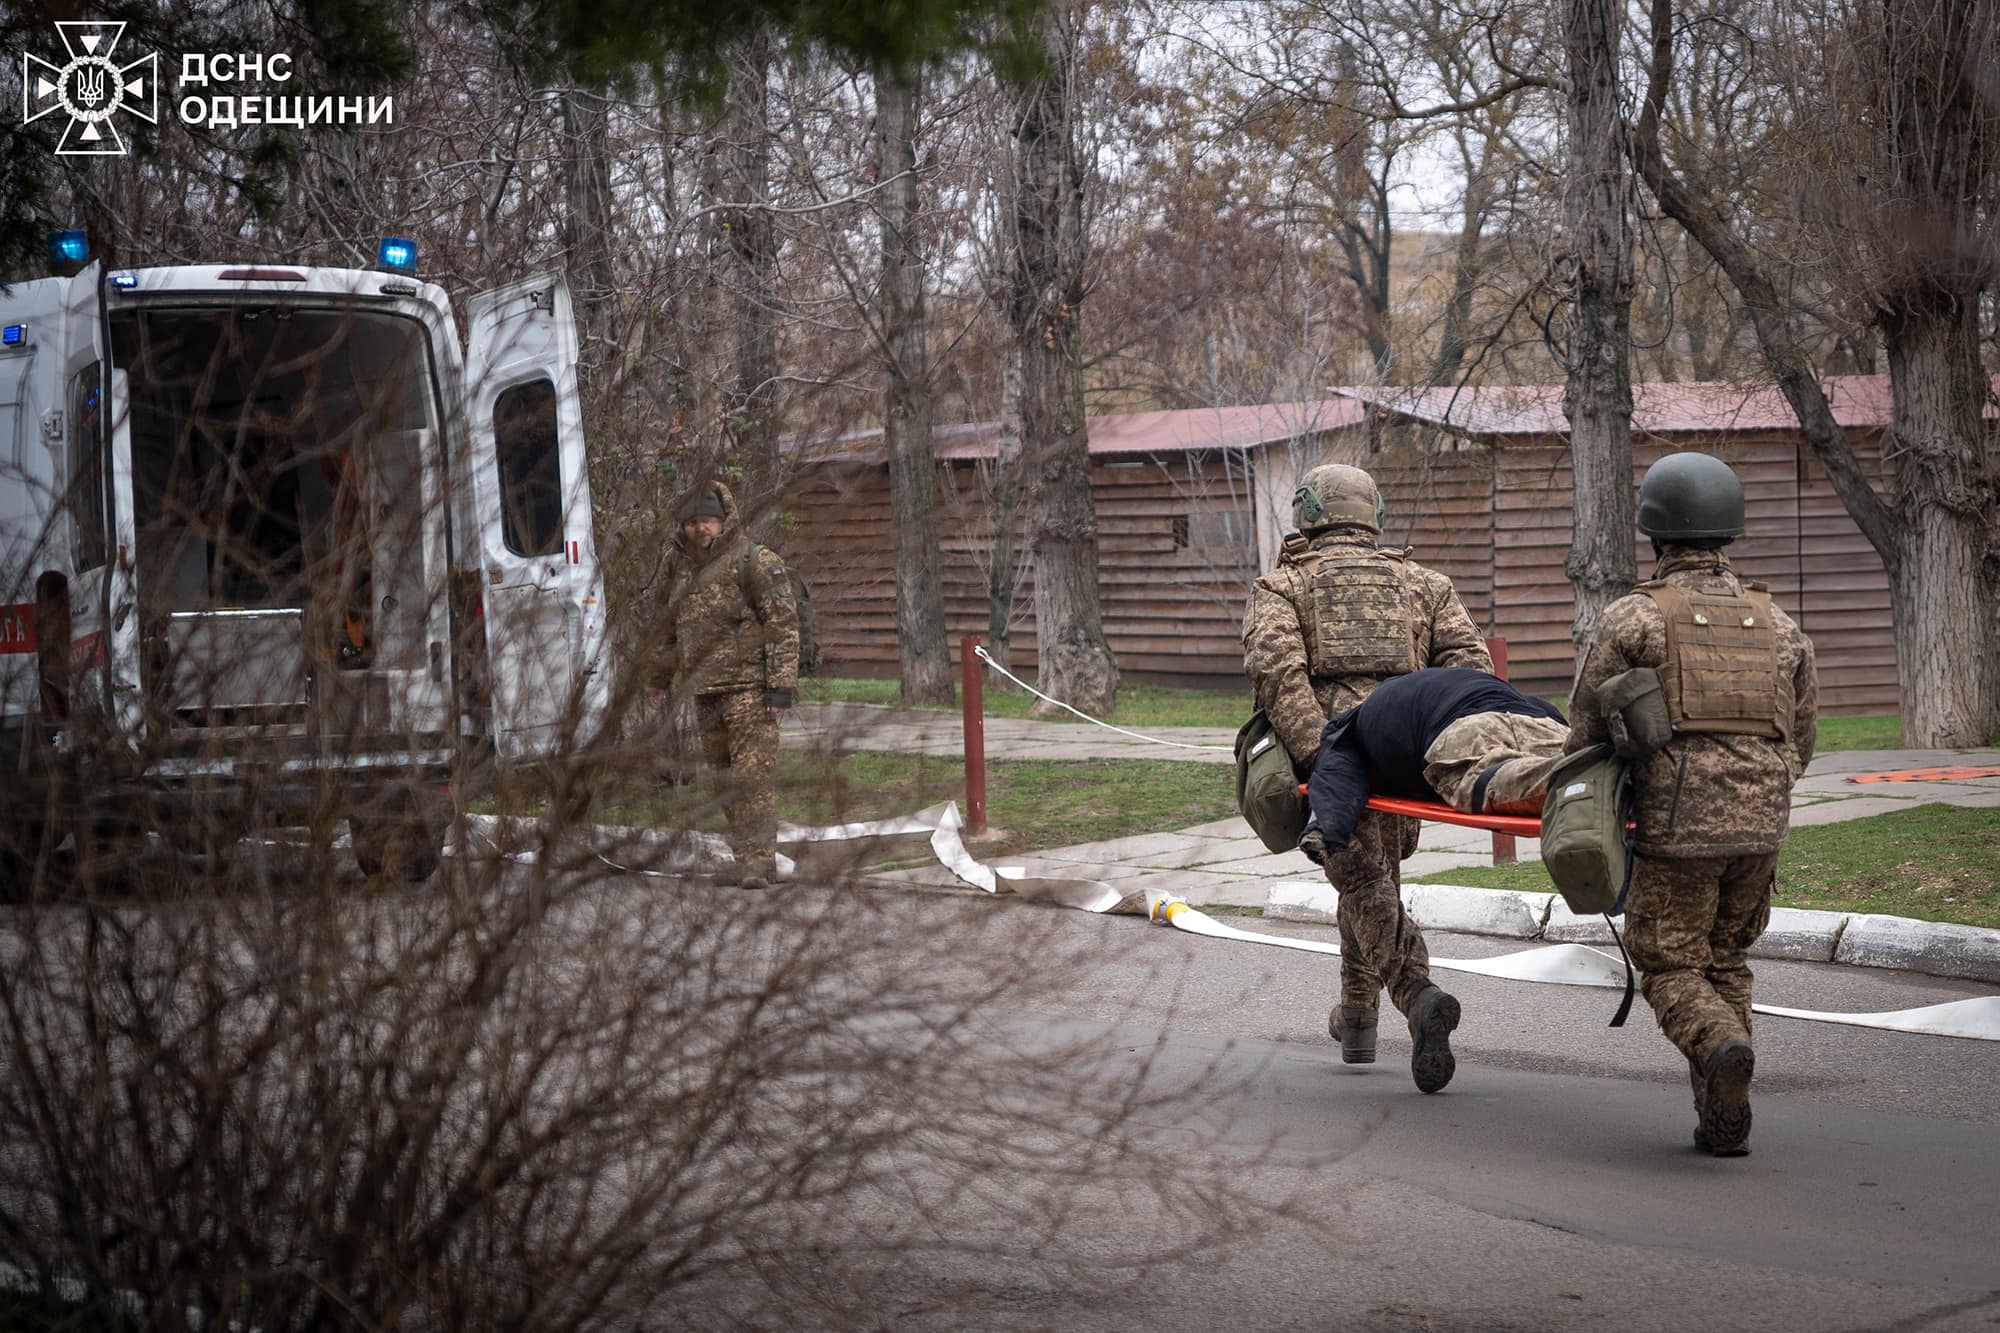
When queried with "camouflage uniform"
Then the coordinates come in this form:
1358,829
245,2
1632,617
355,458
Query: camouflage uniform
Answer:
1712,811
731,640
1379,945
1525,748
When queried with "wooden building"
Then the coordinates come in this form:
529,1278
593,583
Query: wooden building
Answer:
1191,505
1177,498
1478,481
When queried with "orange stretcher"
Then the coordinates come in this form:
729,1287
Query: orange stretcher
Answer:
1519,826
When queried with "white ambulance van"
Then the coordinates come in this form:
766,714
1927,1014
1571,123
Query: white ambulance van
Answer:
273,537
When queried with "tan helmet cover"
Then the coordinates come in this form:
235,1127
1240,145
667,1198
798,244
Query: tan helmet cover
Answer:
1334,495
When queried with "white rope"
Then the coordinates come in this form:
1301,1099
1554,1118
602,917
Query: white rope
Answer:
980,649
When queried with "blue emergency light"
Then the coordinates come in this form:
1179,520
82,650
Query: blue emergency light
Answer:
70,246
13,335
125,281
397,254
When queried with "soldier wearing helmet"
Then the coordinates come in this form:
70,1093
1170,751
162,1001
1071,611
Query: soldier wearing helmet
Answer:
1739,692
730,642
1336,617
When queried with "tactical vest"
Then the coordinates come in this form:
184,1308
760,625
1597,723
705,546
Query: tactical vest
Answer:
1358,615
1721,675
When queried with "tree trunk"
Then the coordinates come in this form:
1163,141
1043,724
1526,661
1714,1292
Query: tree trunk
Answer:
587,208
921,650
587,246
1006,508
1468,270
1049,250
1945,581
752,427
1597,398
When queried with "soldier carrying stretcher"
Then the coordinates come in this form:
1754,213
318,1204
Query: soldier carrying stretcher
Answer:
1338,616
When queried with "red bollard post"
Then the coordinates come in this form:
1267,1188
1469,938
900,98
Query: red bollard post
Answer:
975,733
1503,843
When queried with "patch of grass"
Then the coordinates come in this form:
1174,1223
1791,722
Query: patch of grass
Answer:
850,690
1138,705
1031,804
1159,706
1935,862
1877,731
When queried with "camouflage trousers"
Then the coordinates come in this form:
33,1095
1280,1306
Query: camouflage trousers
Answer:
739,744
1689,926
1379,945
1526,748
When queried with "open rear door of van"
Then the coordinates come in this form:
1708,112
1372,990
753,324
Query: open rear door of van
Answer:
542,589
31,313
96,470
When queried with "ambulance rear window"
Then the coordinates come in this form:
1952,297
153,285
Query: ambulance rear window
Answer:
524,432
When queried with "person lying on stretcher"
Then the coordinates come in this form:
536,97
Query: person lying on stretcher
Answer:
1445,734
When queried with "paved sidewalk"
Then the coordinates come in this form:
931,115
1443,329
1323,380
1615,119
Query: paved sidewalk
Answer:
1221,863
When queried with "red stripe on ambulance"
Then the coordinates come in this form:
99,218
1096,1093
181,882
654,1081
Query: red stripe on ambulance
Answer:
17,628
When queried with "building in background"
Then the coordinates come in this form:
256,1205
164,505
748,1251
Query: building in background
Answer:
1193,504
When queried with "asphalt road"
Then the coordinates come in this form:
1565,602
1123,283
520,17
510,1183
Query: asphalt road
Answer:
1552,1185
1173,1143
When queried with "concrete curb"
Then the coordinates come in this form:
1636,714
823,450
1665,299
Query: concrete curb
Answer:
1933,948
1920,946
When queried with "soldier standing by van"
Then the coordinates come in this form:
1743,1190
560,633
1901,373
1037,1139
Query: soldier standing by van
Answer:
1336,617
1713,803
731,641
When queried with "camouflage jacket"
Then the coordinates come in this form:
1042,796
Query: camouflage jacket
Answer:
728,623
1701,795
1277,635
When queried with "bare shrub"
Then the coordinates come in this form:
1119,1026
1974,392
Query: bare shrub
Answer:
566,1084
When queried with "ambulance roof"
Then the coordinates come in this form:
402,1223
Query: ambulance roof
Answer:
274,279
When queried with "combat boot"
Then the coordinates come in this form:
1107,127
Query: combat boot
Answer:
1725,1101
1433,1016
1354,1028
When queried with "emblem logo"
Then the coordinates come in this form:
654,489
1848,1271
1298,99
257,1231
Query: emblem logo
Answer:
91,88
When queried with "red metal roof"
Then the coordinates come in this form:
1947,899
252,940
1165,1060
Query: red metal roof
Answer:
1660,409
1859,401
1133,432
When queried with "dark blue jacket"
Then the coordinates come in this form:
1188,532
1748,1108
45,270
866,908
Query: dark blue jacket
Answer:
1377,748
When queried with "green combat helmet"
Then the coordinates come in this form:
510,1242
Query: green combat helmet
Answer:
705,503
1691,497
1334,495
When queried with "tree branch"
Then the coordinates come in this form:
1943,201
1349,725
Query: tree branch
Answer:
1768,310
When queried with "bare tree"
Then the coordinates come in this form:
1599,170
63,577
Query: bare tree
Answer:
1597,267
922,653
587,234
741,180
1897,161
1005,476
1049,249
